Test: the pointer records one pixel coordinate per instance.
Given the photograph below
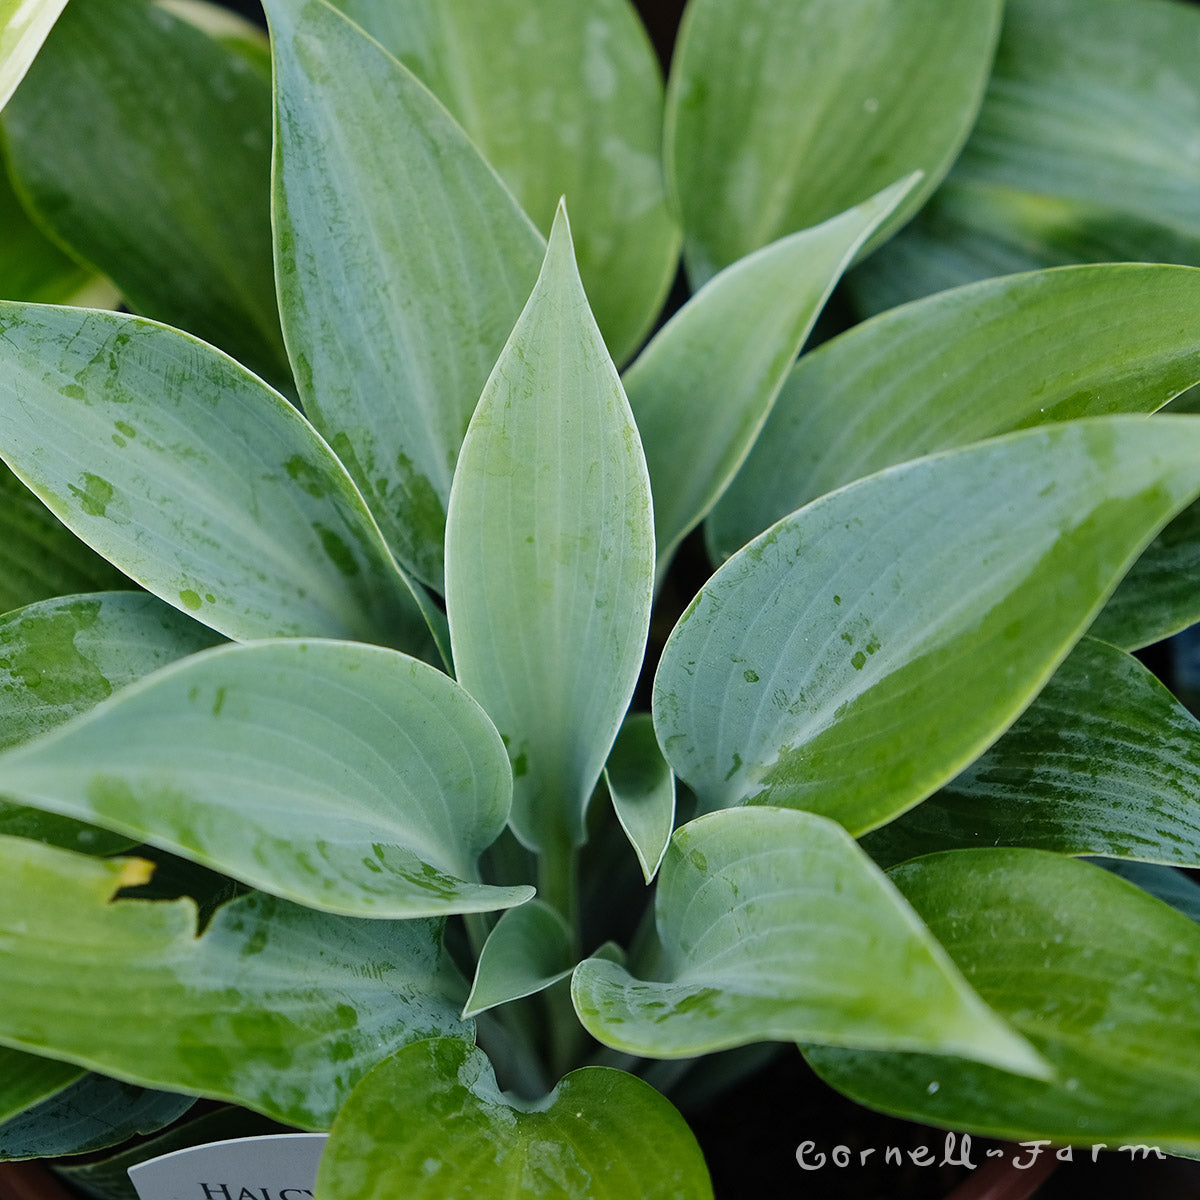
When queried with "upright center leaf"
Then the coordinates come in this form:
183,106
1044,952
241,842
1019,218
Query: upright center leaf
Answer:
550,553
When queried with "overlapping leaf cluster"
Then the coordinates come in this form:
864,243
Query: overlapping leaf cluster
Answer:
355,683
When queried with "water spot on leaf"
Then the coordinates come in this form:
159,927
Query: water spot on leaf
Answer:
737,766
859,660
750,676
339,553
190,599
219,702
307,475
94,495
698,861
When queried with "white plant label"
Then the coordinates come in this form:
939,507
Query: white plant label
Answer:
279,1166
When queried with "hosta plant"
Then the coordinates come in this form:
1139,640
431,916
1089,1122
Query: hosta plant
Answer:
380,751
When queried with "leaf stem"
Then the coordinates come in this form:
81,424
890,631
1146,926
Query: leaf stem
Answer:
558,882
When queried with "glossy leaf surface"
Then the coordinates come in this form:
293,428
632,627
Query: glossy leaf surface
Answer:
1104,762
562,99
430,1122
779,117
403,262
163,182
1098,975
704,385
275,1007
60,658
550,553
92,1114
1083,152
342,776
774,926
642,787
529,949
202,483
965,365
865,649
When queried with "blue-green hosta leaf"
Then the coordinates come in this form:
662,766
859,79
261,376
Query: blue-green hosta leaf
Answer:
863,650
163,182
39,556
780,116
197,479
1084,151
60,658
92,1114
642,787
550,553
961,366
28,1079
704,385
430,1122
774,925
1105,761
562,99
347,777
529,949
1098,975
23,28
403,262
275,1007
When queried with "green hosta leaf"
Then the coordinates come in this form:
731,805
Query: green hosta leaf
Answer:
162,183
23,29
560,99
92,1114
39,556
202,483
403,262
33,268
343,776
1105,761
28,1079
642,787
529,949
1098,975
865,649
773,925
430,1122
275,1007
550,553
704,385
60,658
1084,151
964,365
1156,599
780,116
